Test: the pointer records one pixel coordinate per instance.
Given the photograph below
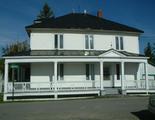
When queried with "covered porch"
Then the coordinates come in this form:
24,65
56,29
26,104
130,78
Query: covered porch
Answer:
91,77
74,75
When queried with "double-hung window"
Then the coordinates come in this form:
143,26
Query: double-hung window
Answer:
58,41
60,71
90,72
89,42
119,43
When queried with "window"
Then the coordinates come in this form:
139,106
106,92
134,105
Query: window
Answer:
58,41
118,71
89,42
61,71
119,43
87,71
90,73
106,73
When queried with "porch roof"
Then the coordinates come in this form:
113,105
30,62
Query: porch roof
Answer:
71,53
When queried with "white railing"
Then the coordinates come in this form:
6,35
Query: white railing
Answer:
151,84
50,86
135,84
29,86
78,85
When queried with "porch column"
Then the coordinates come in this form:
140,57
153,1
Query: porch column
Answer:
122,78
5,81
146,75
101,78
55,79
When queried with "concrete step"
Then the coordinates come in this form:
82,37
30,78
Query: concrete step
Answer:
112,91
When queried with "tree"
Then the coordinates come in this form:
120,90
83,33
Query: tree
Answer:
149,52
46,12
14,48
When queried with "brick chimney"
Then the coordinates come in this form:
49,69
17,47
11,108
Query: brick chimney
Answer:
100,13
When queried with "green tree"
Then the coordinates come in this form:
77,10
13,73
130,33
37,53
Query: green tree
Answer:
14,48
149,52
46,12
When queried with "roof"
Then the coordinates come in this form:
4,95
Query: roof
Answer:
81,21
71,53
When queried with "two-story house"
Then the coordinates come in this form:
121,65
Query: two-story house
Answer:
77,54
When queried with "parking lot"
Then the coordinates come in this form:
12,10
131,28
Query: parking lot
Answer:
122,108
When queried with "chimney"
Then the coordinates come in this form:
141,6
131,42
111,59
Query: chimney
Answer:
100,13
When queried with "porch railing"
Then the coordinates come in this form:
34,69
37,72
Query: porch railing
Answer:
135,84
50,86
151,84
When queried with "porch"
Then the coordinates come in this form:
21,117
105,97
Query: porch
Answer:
75,76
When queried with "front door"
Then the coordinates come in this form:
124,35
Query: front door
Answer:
107,76
117,77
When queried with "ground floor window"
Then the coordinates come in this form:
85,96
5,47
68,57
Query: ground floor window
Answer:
90,72
106,71
118,71
61,71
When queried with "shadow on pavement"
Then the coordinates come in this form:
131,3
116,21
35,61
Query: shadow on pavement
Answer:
144,115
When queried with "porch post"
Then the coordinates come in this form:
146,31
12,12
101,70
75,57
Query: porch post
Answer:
146,76
101,78
122,78
55,79
5,81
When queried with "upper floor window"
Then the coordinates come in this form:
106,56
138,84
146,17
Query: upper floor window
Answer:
89,42
58,41
119,43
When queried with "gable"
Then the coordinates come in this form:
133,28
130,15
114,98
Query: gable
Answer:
112,53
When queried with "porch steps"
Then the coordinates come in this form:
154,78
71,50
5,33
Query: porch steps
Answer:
112,91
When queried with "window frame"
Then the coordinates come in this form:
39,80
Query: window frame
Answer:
119,43
90,71
89,42
58,41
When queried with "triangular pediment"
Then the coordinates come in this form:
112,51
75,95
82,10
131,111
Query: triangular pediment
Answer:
112,53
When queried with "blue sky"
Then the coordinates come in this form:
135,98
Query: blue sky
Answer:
16,14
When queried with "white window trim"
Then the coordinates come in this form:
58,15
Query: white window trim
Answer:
119,43
58,34
89,45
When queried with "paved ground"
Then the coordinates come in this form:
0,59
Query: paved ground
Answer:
126,108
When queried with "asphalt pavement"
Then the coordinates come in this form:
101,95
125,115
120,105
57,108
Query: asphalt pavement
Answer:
119,108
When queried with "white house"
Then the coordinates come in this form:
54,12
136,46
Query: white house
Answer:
77,54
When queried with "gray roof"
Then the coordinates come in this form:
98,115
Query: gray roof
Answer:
71,53
81,21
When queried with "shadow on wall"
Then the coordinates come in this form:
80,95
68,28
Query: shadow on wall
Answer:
144,115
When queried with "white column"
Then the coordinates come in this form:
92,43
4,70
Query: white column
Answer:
122,76
138,75
101,75
55,79
146,76
6,80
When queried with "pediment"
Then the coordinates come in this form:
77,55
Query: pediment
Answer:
112,53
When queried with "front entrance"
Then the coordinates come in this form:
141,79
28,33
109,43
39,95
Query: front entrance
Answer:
108,79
